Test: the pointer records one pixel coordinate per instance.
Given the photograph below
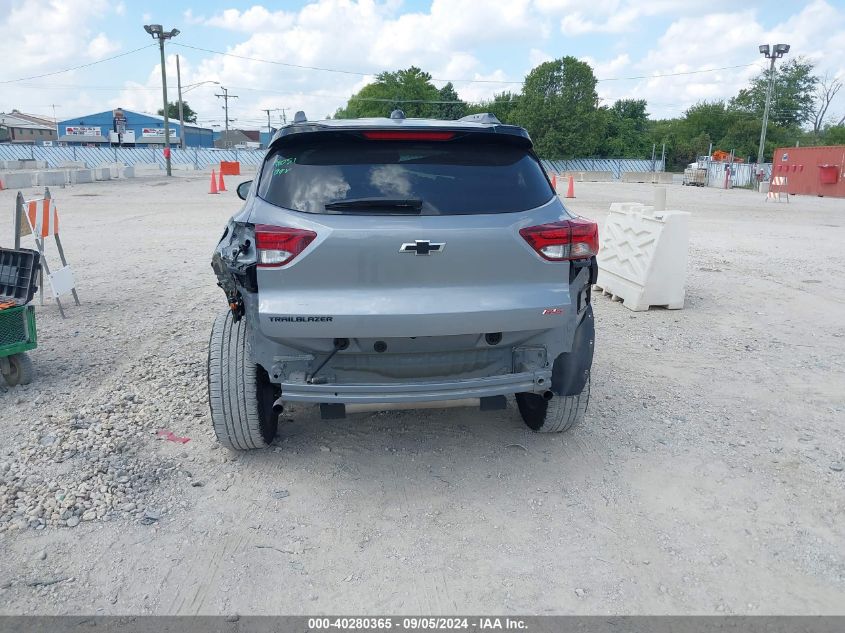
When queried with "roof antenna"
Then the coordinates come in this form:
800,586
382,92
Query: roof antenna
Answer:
397,114
300,117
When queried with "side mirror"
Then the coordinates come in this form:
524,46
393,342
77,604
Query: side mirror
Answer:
243,189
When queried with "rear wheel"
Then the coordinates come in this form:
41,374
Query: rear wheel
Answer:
559,414
20,370
240,393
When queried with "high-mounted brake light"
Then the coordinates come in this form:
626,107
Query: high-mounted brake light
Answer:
403,135
278,245
577,238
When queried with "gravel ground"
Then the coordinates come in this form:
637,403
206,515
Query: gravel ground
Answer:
706,478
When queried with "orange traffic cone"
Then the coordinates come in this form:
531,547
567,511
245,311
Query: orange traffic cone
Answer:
213,182
554,183
570,191
222,185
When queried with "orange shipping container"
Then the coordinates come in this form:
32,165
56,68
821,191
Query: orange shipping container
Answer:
814,171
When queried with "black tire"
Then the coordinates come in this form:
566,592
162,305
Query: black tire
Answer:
20,370
240,393
559,414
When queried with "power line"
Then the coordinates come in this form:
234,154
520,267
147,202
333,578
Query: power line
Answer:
492,81
690,72
67,70
332,70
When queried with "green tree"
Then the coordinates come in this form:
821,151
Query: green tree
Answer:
627,125
559,108
173,112
410,90
834,135
501,105
450,111
793,95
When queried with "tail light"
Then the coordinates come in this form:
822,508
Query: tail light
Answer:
577,238
407,135
278,245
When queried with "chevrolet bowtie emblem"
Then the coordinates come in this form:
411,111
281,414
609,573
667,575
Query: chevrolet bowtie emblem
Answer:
422,247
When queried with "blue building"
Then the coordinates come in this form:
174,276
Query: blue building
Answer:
129,128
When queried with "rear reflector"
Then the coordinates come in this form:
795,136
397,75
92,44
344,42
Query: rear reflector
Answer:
278,245
577,238
401,135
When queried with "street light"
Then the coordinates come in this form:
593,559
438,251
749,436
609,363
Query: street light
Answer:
158,33
777,52
188,88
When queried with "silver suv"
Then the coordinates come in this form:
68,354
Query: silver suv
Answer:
395,261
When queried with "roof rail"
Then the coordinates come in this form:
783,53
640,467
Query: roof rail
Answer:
481,117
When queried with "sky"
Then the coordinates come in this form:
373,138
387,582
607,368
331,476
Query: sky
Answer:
649,50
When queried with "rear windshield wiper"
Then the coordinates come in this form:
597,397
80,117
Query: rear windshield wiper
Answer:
378,205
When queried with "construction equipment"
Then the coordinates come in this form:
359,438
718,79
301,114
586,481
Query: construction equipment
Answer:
19,270
695,175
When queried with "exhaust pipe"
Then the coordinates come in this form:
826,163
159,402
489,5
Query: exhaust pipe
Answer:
548,394
278,406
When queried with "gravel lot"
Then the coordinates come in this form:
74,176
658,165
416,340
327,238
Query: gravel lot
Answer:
707,477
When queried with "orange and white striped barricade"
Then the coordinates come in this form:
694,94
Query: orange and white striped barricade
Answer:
40,218
778,189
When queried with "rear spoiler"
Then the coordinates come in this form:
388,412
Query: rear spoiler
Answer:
506,134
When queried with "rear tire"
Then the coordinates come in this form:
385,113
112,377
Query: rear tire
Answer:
559,414
240,393
20,370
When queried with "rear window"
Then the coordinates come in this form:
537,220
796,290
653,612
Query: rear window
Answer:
441,178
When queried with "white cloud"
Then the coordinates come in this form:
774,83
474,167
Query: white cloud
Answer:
101,46
537,57
254,19
38,35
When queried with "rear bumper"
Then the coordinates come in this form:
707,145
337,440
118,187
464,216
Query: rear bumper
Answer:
531,382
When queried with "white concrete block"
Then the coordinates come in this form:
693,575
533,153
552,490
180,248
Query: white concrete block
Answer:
76,176
72,164
10,164
28,163
182,167
129,171
643,256
50,178
102,173
17,180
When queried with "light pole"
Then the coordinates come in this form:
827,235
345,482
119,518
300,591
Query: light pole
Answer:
187,89
778,51
161,35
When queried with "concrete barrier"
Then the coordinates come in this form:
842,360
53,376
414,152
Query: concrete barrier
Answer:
10,164
129,171
652,177
643,256
72,164
17,180
102,173
587,176
182,167
29,163
50,178
77,176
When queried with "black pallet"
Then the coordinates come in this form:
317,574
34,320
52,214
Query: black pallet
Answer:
18,275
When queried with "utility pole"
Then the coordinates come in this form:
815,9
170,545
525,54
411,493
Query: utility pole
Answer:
56,121
226,96
181,110
773,53
158,33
